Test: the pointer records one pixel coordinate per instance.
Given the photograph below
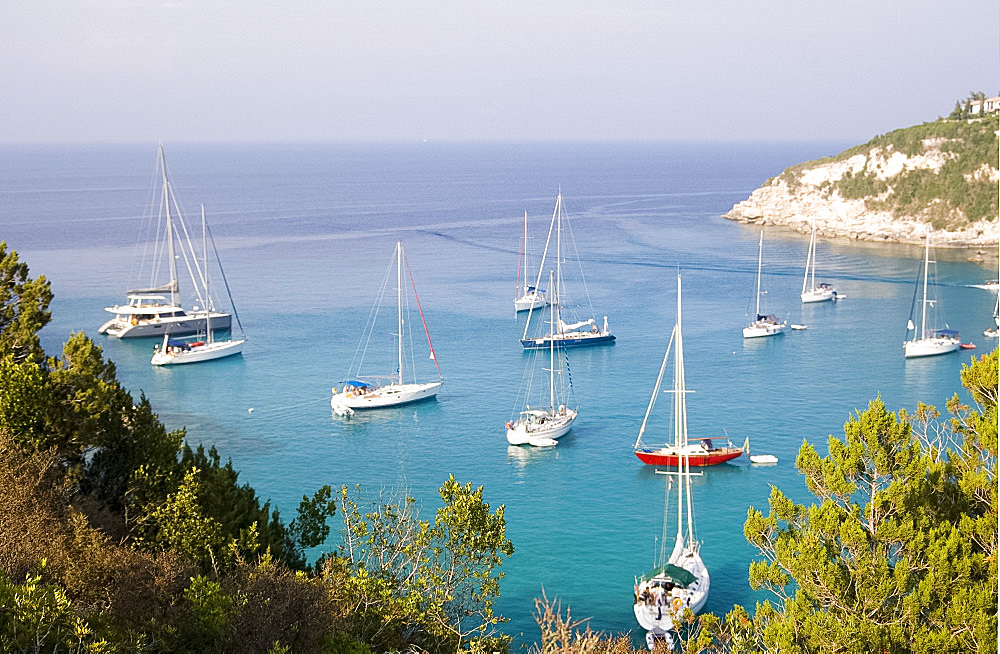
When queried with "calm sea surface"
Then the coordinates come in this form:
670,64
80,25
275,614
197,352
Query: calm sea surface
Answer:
305,234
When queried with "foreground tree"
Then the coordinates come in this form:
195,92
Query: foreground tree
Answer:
900,553
24,308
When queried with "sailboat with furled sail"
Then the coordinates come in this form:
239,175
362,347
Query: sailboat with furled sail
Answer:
678,582
367,392
811,291
526,296
928,341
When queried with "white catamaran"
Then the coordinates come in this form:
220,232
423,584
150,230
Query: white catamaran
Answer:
762,325
148,311
811,292
926,341
680,581
526,296
542,425
582,332
391,390
174,351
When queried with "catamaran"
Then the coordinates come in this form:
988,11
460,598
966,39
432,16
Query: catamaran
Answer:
928,341
175,351
763,325
357,392
149,311
811,291
543,425
582,332
526,296
680,582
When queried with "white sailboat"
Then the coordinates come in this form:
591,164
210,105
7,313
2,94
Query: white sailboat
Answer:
928,342
526,296
763,325
581,332
148,311
390,390
680,581
542,426
812,292
178,351
994,332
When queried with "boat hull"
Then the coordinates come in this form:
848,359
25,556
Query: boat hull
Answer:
927,347
200,353
529,301
665,457
818,295
384,396
553,428
175,326
570,339
759,329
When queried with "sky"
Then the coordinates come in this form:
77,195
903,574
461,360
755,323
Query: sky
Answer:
488,70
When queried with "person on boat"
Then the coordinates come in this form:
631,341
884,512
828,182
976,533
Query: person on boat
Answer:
660,596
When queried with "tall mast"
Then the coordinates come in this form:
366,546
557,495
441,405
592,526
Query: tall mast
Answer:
552,356
204,245
558,295
170,231
679,404
923,312
524,246
399,307
760,256
810,262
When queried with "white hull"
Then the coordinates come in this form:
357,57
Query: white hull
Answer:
530,301
760,328
383,396
174,325
927,347
199,353
549,428
818,295
660,619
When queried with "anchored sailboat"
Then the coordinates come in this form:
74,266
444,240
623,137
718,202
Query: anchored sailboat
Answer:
359,392
681,581
811,292
526,296
148,311
178,351
928,341
582,332
542,425
762,325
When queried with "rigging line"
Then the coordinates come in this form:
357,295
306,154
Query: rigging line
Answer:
417,298
579,265
224,280
366,335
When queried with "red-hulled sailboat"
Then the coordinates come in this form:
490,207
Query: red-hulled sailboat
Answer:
701,452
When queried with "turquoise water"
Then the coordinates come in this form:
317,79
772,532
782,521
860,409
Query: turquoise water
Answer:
305,233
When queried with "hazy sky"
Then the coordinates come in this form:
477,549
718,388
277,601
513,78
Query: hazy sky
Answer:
488,70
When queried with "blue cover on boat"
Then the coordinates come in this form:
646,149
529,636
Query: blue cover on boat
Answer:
946,332
356,384
177,343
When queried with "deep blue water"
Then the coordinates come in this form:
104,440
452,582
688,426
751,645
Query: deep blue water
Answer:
305,233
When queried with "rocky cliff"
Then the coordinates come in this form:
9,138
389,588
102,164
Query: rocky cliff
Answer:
942,174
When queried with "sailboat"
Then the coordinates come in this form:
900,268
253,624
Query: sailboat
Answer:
388,390
543,426
681,581
178,351
763,325
584,332
811,292
531,297
994,332
149,311
703,451
928,342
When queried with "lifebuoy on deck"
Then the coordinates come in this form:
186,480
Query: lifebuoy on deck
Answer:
510,426
677,603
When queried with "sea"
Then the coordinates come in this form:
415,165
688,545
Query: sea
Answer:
305,232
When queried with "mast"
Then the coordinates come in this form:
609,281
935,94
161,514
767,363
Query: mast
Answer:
558,287
552,357
810,262
679,404
760,256
204,245
399,307
923,308
170,231
524,248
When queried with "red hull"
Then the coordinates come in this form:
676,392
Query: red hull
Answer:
707,459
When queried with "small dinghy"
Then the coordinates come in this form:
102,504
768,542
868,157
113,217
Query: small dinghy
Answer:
799,328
